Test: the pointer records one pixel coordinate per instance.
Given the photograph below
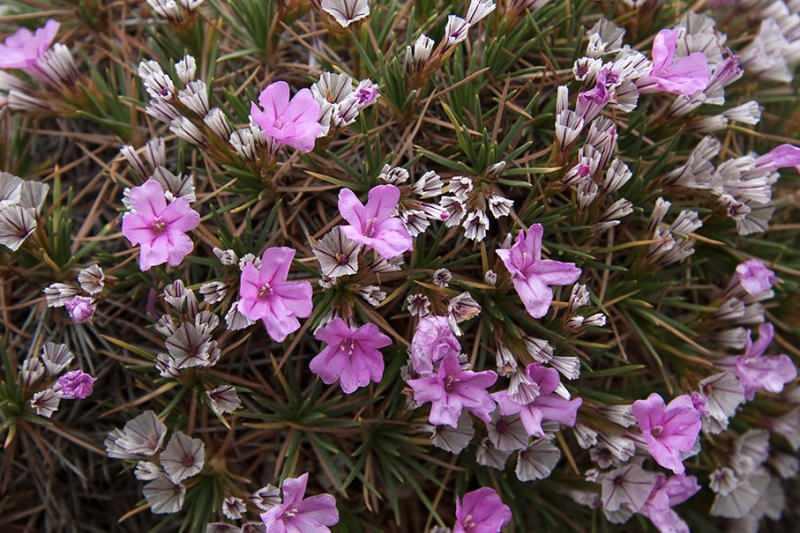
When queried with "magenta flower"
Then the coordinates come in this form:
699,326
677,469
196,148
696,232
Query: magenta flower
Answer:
545,406
533,276
373,224
666,494
757,371
80,309
754,277
23,49
157,227
76,384
785,155
452,389
481,511
266,295
292,122
668,430
352,355
297,514
590,103
433,341
684,75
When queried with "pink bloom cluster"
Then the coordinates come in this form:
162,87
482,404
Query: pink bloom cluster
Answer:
292,122
757,371
481,511
544,404
267,295
669,431
685,75
374,225
533,276
76,384
24,48
158,227
296,513
352,355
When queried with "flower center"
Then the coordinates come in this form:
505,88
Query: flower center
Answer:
348,346
449,383
657,431
369,229
188,460
291,513
468,523
158,226
265,290
341,259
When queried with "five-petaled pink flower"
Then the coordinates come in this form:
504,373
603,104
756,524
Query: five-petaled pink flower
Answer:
76,384
668,430
352,355
481,511
373,224
433,341
666,494
266,295
757,371
296,514
532,276
545,406
23,49
685,75
288,122
157,227
452,389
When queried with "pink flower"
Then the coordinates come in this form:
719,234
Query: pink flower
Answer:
666,494
757,371
452,389
80,309
754,277
23,49
532,276
157,227
685,75
785,155
266,295
298,514
373,224
545,406
352,355
433,341
590,103
75,384
668,430
481,511
366,93
292,122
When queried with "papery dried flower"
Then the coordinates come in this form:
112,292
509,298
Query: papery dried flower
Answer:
453,440
45,403
164,496
346,12
537,461
142,435
183,457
